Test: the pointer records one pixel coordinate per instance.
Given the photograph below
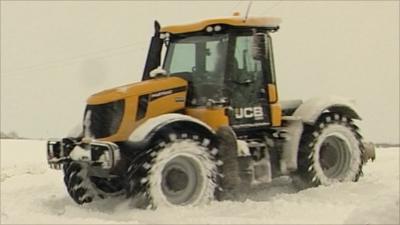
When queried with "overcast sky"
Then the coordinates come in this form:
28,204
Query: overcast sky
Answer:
55,54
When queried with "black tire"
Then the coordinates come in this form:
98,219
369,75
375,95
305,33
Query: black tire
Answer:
178,170
84,188
330,151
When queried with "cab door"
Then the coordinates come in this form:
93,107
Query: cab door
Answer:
247,86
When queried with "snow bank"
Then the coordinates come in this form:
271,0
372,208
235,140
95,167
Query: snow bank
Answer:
33,194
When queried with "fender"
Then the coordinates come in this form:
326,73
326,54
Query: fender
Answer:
151,126
308,113
310,110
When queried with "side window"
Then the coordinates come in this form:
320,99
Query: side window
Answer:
216,55
211,56
245,61
186,61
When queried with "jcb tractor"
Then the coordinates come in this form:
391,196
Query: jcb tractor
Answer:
206,123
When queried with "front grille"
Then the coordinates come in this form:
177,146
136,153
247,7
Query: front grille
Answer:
103,120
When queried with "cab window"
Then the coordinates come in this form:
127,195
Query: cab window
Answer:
201,61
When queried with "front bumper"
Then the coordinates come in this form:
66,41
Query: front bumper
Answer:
97,153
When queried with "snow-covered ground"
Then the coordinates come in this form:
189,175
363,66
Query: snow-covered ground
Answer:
33,194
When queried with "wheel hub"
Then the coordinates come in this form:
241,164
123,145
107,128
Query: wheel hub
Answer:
334,157
176,180
181,180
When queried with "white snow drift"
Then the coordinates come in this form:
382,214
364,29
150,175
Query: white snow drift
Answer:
33,194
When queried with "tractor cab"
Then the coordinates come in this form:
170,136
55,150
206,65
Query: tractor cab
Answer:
227,62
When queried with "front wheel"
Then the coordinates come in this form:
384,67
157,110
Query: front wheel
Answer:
179,171
84,188
330,151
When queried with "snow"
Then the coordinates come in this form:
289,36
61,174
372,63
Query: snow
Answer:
123,89
31,193
157,72
289,156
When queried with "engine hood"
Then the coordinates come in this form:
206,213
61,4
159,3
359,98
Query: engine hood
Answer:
136,89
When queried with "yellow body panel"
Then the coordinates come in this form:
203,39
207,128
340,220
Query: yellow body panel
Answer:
165,104
275,107
272,93
276,114
233,21
136,89
131,93
213,117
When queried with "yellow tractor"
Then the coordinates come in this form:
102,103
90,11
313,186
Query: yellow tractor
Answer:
206,123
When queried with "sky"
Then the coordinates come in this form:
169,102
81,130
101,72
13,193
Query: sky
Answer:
56,54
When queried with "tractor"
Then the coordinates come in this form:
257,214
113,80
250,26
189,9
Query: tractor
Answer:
205,123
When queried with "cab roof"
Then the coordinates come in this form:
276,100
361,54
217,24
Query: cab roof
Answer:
238,21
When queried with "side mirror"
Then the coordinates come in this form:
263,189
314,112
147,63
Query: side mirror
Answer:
259,46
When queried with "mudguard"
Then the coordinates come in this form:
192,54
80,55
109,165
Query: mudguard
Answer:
149,127
310,110
308,113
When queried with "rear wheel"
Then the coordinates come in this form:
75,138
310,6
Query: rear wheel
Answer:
84,188
179,171
330,151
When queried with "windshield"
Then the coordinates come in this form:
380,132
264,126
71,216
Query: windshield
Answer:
201,61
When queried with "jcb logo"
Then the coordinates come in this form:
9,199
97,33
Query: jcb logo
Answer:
249,112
